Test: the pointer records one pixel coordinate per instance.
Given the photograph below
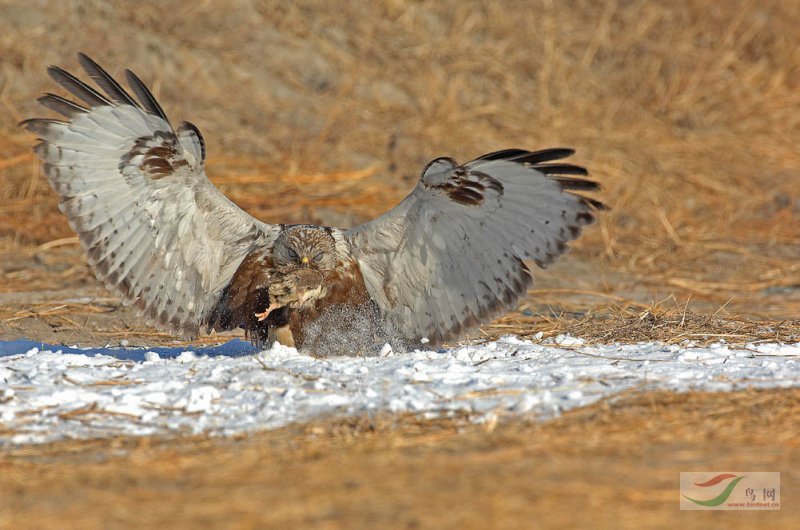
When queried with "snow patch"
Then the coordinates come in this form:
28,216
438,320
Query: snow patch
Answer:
47,394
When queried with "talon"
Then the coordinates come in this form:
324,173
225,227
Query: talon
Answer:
265,314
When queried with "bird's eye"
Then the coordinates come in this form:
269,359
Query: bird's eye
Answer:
318,257
293,254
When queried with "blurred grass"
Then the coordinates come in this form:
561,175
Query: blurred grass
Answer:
325,111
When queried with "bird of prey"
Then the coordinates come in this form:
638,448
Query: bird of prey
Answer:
159,235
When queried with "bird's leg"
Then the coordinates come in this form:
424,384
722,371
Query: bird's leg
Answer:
265,314
284,336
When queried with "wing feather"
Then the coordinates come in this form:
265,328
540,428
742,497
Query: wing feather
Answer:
145,96
155,230
450,255
61,105
76,87
105,81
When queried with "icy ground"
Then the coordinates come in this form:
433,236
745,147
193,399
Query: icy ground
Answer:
49,393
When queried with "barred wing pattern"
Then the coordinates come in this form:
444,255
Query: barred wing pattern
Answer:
156,231
450,255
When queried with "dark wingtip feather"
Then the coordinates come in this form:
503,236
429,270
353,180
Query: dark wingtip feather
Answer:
38,125
572,184
76,87
503,154
26,124
105,81
545,155
61,105
522,156
595,204
561,169
145,96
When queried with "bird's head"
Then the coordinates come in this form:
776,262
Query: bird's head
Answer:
305,246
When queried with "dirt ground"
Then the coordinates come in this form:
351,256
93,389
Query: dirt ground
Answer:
687,112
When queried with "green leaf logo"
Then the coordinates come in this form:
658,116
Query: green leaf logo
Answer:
722,497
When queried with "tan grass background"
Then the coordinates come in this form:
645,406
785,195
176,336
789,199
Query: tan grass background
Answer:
325,111
688,112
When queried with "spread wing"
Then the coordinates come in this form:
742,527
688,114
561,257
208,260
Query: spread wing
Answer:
155,229
450,255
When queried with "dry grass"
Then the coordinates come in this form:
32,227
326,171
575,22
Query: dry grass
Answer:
639,324
611,465
687,113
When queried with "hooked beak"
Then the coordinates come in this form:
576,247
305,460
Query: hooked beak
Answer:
304,261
